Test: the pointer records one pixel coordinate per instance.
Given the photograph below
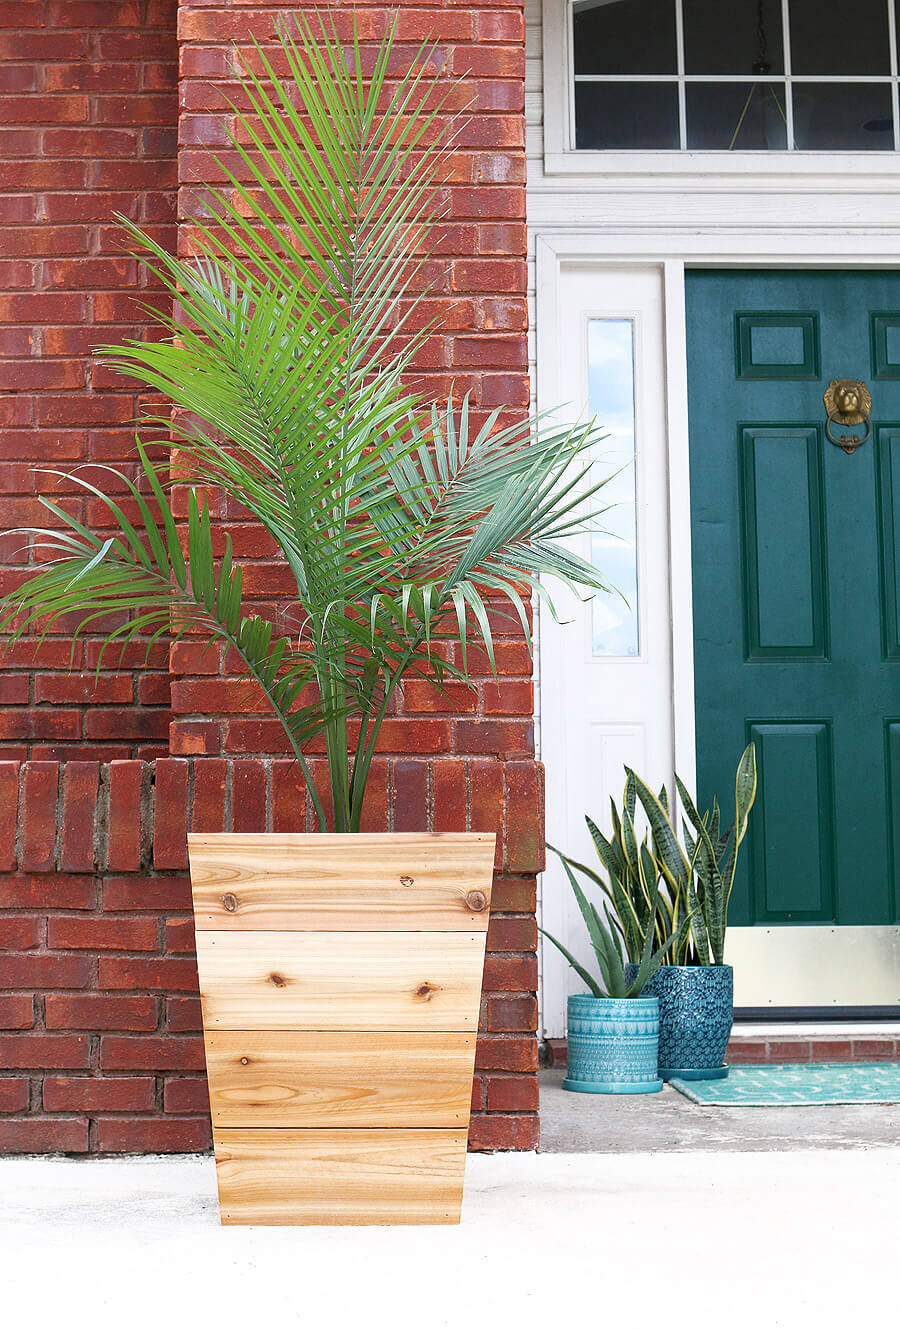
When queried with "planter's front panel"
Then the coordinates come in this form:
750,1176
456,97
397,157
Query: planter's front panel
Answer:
305,883
339,1079
340,1177
340,980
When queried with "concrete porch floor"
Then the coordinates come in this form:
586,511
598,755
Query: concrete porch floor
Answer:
753,1239
668,1122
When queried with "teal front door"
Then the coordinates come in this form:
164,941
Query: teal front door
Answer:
796,584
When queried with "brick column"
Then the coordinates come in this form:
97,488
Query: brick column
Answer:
441,766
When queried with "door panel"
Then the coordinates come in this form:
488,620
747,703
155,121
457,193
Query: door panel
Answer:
796,585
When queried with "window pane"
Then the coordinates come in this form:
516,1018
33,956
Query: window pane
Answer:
840,37
739,117
729,38
843,115
624,37
626,115
614,549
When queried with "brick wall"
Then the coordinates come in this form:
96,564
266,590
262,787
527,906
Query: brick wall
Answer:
101,1030
88,130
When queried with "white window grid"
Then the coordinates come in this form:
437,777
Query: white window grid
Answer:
681,78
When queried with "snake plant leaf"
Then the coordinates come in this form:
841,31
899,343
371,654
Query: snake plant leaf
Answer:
586,978
669,850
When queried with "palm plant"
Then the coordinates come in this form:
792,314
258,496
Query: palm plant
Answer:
288,363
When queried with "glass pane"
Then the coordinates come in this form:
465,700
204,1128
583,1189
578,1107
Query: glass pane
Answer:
736,117
840,37
614,548
741,37
624,37
626,115
843,115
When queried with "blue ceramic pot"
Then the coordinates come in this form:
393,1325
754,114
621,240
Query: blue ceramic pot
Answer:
695,1016
613,1045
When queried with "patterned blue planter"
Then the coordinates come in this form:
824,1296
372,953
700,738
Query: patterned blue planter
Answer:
695,1017
613,1045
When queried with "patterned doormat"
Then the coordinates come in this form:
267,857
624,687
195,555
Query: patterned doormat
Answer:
787,1086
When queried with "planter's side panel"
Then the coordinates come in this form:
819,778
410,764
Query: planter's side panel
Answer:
341,1177
307,883
359,1015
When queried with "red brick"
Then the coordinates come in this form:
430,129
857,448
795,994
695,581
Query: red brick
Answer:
38,1135
14,1095
80,1093
374,809
510,973
170,815
168,1053
44,971
183,1015
9,794
121,894
39,829
506,1053
96,1011
524,816
173,1135
508,697
512,934
180,936
80,784
822,1050
248,797
424,697
874,1049
512,1014
288,797
18,933
449,792
186,1095
124,833
17,1011
494,1131
47,892
410,795
170,973
506,738
514,1093
31,1051
103,934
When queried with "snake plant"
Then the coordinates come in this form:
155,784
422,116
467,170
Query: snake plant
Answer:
607,938
680,892
406,526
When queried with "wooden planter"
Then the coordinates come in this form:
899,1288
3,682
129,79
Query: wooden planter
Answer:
340,981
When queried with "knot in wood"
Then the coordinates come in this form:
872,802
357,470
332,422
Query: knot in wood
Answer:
230,902
277,981
476,901
406,881
424,990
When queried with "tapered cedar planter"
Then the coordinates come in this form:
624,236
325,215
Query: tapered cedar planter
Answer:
340,980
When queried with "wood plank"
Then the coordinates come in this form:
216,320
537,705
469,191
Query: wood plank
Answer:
334,882
279,1177
311,1078
378,981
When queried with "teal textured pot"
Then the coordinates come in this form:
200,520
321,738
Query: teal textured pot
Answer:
613,1045
696,1012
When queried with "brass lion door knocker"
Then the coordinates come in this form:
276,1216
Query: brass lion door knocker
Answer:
848,402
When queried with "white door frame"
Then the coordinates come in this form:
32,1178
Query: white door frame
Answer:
554,248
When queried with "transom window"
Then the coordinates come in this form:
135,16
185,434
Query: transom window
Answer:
736,75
